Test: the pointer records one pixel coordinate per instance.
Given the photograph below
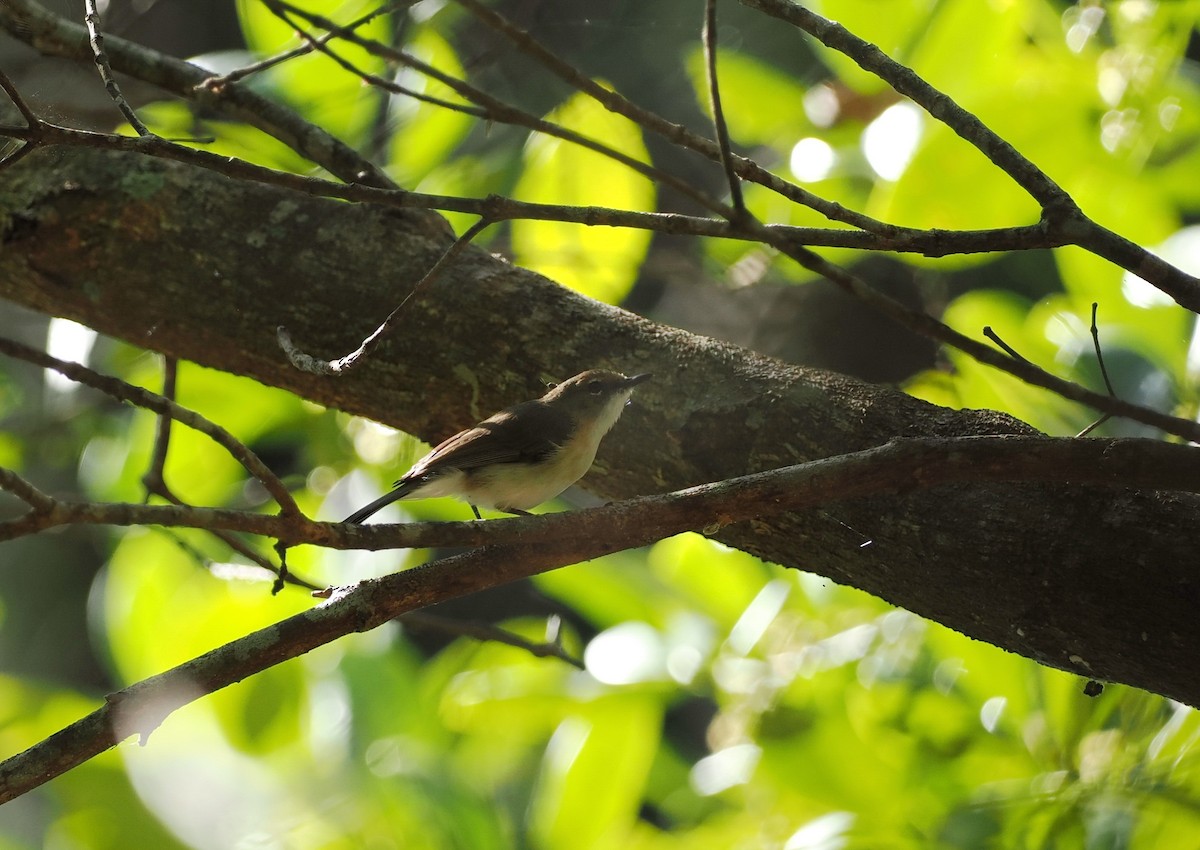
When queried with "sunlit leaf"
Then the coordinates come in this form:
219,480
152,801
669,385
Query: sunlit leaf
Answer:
745,84
426,134
590,786
599,261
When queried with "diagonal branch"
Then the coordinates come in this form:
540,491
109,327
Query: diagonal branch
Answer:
496,109
96,38
122,391
52,35
1052,198
674,133
1058,208
498,209
709,37
1005,361
308,363
901,465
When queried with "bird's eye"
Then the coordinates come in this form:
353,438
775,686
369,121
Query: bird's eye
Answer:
595,387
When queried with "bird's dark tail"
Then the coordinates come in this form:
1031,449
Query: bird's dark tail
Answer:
386,499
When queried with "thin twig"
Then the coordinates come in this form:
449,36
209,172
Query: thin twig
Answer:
674,133
319,43
1052,198
308,363
1017,366
1103,372
1008,349
153,478
931,243
96,39
31,120
155,482
500,112
489,633
53,35
153,401
709,38
1100,351
25,491
306,46
241,548
14,95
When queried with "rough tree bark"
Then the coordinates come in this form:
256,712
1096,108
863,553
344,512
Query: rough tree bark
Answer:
1099,580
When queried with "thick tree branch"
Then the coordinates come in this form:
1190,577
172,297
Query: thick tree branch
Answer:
566,538
75,242
493,209
900,466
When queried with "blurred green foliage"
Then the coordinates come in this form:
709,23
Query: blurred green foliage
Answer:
726,702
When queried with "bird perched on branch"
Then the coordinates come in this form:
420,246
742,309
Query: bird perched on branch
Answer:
523,455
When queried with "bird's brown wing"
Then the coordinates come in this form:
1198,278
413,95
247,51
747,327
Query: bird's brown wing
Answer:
525,433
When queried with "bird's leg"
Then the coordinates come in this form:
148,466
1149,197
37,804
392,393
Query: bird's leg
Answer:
475,510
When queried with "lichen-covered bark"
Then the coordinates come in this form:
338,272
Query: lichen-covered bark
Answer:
1097,580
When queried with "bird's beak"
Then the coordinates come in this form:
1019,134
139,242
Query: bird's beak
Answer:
637,379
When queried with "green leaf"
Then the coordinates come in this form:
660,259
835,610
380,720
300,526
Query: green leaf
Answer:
600,261
746,84
594,772
426,134
315,84
154,588
889,24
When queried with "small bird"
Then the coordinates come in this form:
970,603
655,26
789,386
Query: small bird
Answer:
524,455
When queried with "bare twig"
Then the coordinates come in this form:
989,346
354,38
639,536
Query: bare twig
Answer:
1100,351
31,120
675,133
932,243
489,633
498,111
96,39
155,483
907,82
268,569
321,44
305,47
53,35
25,491
152,401
1103,372
1008,349
1059,209
153,478
709,32
928,326
308,363
18,101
